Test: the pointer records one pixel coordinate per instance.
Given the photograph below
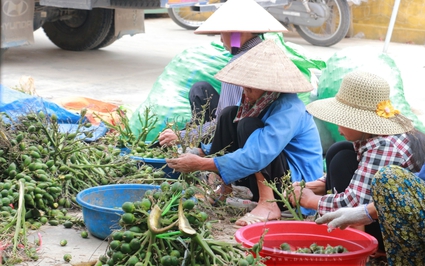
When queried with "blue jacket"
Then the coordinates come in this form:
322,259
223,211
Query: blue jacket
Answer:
287,127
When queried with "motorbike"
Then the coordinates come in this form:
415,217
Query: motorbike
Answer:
319,22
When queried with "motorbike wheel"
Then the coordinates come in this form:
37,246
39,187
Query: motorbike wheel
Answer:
186,18
189,19
333,30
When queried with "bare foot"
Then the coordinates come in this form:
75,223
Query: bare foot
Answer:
265,211
268,210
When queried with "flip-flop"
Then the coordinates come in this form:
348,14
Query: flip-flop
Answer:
249,219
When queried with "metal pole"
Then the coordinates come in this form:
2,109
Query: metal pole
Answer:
391,25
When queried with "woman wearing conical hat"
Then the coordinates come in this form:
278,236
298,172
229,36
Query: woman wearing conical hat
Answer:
377,135
267,135
240,24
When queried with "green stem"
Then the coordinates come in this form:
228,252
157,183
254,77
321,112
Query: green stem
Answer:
161,243
174,243
167,235
170,203
93,182
192,254
207,258
220,252
284,200
158,251
49,137
20,214
302,184
168,244
149,251
197,238
146,239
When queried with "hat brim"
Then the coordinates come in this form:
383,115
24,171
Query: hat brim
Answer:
265,67
335,112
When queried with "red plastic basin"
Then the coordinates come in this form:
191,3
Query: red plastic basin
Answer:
360,245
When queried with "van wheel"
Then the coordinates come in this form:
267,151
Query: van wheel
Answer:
110,37
85,30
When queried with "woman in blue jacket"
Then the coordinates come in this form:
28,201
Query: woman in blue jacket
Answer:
269,134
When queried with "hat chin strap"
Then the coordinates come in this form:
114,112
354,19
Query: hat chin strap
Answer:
235,42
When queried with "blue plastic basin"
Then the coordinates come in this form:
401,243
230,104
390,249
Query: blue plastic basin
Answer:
101,206
158,164
155,163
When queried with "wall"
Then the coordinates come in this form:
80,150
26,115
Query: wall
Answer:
372,19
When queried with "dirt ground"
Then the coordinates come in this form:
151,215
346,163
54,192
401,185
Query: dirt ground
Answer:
223,226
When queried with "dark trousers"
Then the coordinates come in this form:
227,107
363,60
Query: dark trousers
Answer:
233,136
200,94
341,163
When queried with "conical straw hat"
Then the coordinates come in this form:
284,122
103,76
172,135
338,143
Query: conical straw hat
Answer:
240,16
265,67
363,104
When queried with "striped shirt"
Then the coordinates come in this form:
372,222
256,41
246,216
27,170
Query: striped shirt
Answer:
372,154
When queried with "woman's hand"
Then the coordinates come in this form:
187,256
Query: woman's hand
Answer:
318,187
185,163
167,137
305,196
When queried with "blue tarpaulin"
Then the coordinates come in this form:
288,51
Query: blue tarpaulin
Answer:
15,104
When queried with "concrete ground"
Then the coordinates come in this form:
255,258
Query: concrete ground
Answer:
124,73
84,251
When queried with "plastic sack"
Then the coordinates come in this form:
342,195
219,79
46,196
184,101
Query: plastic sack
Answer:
352,58
15,104
169,96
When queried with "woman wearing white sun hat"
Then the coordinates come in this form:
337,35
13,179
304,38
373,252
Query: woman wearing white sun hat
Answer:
377,135
269,134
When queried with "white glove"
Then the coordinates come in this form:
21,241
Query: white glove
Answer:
344,217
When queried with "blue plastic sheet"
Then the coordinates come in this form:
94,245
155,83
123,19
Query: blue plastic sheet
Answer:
96,131
15,104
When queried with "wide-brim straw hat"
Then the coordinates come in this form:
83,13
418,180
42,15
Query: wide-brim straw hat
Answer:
363,104
265,67
240,16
